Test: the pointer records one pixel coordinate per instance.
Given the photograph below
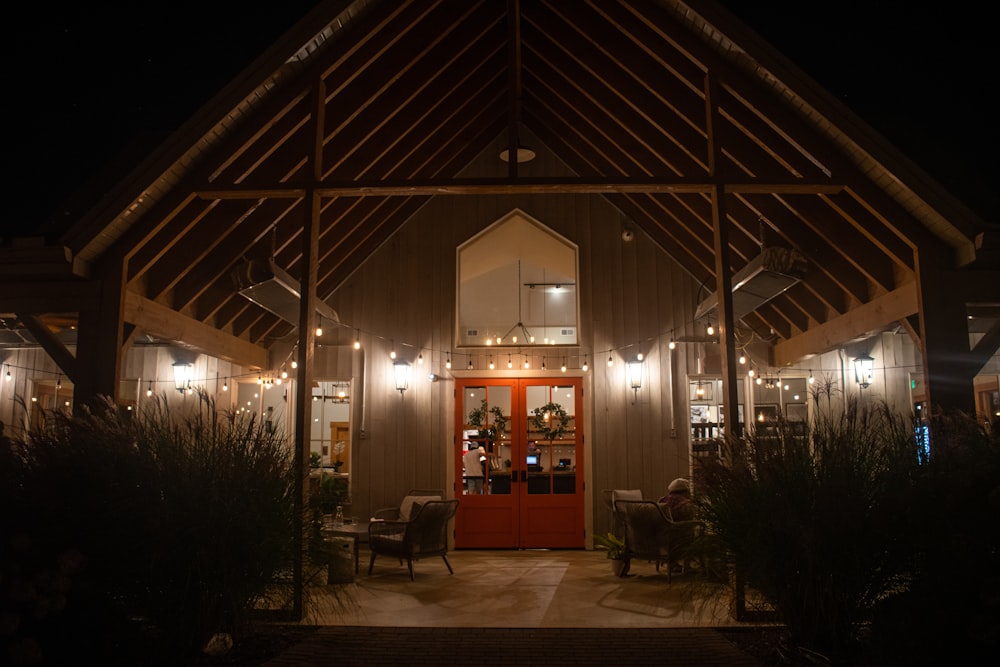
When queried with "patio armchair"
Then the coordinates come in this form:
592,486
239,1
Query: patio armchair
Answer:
424,534
610,496
402,512
650,534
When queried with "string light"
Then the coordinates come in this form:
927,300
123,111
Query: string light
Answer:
510,363
585,365
492,365
357,339
149,389
611,361
447,363
319,327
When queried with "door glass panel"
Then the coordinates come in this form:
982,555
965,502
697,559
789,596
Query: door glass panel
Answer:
487,428
551,452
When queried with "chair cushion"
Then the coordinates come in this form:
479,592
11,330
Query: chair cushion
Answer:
406,507
626,494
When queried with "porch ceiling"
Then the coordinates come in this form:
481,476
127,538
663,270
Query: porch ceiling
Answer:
647,104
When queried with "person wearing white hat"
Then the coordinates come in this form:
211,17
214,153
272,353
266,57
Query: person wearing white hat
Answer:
474,469
678,500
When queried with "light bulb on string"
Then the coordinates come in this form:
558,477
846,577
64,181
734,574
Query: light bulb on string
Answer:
710,330
585,366
492,365
811,378
357,339
149,389
447,361
420,359
563,369
611,361
510,362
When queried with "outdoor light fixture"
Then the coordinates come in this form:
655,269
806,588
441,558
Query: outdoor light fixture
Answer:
182,376
634,375
863,370
402,369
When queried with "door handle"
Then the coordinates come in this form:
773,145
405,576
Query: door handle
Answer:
524,475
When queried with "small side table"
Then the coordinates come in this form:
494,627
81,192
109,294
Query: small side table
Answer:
356,531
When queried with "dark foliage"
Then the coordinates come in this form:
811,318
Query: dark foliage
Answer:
120,527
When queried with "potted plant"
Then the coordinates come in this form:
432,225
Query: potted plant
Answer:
615,548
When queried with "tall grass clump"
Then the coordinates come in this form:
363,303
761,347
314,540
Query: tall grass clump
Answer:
950,611
161,528
814,519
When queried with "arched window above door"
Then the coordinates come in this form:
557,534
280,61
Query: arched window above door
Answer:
517,286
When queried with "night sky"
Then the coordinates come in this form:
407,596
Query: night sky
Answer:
91,88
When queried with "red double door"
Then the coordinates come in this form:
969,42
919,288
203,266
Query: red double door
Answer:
525,488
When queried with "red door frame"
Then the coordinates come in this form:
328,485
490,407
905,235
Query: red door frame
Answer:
521,517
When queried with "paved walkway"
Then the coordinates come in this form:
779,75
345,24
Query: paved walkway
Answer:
515,608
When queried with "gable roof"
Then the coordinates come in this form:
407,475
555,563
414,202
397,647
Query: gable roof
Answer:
657,106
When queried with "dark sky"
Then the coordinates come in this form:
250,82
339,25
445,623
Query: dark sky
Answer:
90,87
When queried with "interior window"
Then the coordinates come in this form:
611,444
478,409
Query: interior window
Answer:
517,286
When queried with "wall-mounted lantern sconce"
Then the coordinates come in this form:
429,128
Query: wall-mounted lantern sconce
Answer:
182,376
863,370
634,375
402,369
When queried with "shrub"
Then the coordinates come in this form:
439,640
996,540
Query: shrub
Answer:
955,529
812,520
183,524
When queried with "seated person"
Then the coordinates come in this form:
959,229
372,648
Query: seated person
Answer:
678,500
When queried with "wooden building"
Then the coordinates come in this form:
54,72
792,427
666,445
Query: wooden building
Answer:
671,172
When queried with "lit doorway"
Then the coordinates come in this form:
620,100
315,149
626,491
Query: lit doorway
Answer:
519,464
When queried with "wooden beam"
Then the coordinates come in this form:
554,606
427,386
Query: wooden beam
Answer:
506,186
986,347
166,323
51,344
856,323
99,338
